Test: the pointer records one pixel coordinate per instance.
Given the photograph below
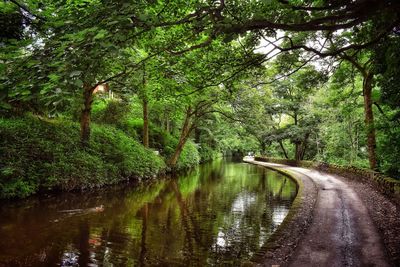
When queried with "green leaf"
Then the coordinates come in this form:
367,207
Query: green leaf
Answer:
25,92
78,83
75,73
112,22
5,105
143,17
100,35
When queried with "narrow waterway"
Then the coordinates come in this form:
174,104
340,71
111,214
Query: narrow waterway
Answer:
218,214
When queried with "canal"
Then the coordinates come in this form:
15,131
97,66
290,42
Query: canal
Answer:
220,213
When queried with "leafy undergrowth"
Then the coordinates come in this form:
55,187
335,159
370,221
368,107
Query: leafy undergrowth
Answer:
38,154
208,154
189,156
116,114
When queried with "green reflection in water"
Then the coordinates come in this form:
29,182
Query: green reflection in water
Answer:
218,214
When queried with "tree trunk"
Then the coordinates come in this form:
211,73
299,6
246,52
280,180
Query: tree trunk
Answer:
145,124
186,129
304,146
197,135
174,159
357,141
369,120
297,155
263,147
85,115
368,77
283,149
303,150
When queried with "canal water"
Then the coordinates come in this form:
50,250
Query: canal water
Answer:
218,214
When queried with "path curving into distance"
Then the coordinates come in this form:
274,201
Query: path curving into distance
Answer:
341,231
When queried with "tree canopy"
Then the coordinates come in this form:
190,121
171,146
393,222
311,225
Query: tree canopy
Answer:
294,79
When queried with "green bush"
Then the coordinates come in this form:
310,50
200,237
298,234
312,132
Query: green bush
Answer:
40,154
389,152
189,156
207,153
166,144
158,138
119,115
116,113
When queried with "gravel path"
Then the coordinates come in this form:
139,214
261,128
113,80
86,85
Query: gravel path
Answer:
335,224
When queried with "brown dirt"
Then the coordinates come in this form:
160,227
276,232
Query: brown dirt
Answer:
385,214
338,222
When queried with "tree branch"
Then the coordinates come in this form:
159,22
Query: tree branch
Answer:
312,8
207,42
26,9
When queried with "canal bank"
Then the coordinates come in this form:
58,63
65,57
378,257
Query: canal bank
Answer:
282,244
352,224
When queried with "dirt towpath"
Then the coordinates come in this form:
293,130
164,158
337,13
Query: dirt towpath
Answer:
341,232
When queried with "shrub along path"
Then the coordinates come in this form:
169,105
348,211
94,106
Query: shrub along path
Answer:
343,229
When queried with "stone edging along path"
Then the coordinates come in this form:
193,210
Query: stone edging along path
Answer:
333,222
285,239
387,185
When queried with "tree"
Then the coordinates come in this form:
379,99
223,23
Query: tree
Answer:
203,79
249,108
293,99
368,79
82,45
385,64
340,105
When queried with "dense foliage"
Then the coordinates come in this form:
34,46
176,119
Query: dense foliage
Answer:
40,154
192,80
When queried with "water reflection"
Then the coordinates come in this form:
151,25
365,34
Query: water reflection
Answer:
221,213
